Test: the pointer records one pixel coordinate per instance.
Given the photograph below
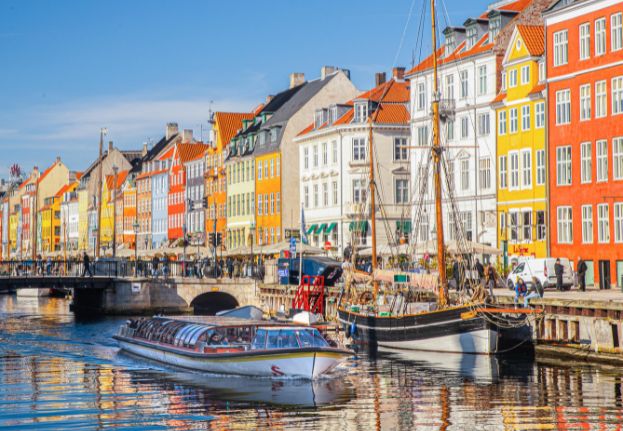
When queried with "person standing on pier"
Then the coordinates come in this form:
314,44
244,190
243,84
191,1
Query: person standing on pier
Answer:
558,270
582,268
480,270
86,265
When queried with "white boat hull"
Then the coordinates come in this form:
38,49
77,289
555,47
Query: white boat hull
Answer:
482,341
304,365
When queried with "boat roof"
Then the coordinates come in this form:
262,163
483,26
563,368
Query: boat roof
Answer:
216,321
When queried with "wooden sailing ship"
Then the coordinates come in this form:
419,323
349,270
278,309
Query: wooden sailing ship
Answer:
399,316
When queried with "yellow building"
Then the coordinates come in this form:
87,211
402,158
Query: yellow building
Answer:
47,224
13,240
83,219
520,108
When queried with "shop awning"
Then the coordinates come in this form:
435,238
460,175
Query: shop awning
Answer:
358,226
321,228
403,226
312,229
331,228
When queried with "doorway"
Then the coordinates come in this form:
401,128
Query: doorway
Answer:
604,274
619,279
590,273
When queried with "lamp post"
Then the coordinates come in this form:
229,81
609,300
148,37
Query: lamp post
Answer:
103,132
184,244
115,170
135,226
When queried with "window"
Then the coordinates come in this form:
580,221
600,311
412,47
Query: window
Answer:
421,96
616,32
315,195
335,196
601,99
563,107
466,224
504,81
495,24
272,168
358,191
260,207
514,169
334,152
526,222
450,43
525,117
359,149
464,89
540,167
587,224
449,174
325,194
259,171
539,115
401,191
565,225
482,80
617,158
585,41
502,122
526,168
464,127
561,50
449,86
541,232
401,152
361,112
512,78
503,175
483,124
305,196
278,203
618,222
617,95
602,160
603,223
513,225
422,136
450,130
585,102
586,162
472,36
541,71
484,173
325,154
315,156
513,120
600,36
272,203
525,74
563,165
464,174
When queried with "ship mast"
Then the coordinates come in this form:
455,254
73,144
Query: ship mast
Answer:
437,150
372,206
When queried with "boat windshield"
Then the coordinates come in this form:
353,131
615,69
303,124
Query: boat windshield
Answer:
311,338
287,338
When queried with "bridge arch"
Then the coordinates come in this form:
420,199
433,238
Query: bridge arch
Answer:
210,303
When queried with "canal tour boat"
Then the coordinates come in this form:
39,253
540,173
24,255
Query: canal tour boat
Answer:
232,346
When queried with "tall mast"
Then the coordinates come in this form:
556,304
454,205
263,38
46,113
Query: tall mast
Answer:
98,199
372,204
443,283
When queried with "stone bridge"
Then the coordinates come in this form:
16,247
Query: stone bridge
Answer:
173,295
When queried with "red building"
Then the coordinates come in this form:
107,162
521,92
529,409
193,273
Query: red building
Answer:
585,134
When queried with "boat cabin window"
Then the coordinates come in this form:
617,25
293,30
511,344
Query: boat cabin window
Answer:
259,342
282,339
311,338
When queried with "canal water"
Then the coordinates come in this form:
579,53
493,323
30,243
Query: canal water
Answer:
61,373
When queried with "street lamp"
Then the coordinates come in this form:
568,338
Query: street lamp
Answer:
135,226
252,240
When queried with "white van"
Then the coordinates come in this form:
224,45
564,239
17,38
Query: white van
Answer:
543,270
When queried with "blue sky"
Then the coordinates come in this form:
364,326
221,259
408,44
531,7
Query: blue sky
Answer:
71,67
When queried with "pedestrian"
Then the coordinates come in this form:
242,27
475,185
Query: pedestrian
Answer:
230,267
582,268
48,266
457,273
558,270
154,266
86,265
490,277
521,290
480,270
535,291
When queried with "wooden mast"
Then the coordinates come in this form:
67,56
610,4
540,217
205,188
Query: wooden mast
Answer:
372,205
437,150
99,195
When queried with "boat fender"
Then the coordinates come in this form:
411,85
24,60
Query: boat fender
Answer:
351,331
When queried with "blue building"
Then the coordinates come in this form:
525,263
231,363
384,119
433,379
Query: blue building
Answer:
159,205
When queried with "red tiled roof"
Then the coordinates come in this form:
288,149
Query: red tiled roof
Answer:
187,151
229,123
534,38
460,53
500,97
63,189
391,91
537,88
121,176
168,154
392,114
516,6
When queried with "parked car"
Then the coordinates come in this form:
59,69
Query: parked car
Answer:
543,270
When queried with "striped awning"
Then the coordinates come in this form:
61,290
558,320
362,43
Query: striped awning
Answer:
403,226
312,229
322,228
331,228
358,226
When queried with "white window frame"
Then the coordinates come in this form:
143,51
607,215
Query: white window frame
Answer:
617,158
584,32
482,80
465,174
561,48
601,159
359,153
484,173
564,173
525,117
587,224
601,99
525,74
526,169
618,222
603,224
513,120
503,172
600,36
541,169
512,78
502,122
616,86
513,170
539,115
585,102
564,219
463,84
616,31
563,106
586,162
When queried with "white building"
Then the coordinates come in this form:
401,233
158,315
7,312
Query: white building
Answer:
334,168
468,82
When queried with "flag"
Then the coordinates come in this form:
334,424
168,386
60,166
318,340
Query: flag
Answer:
303,228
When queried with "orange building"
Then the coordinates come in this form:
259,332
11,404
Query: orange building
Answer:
225,126
129,212
585,135
268,193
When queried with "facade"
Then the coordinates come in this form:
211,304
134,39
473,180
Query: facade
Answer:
522,173
194,169
128,214
584,45
159,205
70,218
334,166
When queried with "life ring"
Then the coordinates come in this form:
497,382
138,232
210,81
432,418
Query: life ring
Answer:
366,297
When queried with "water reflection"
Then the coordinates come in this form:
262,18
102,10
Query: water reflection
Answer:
58,373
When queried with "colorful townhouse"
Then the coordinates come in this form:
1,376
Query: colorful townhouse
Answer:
128,215
5,225
277,155
160,199
469,79
334,166
584,45
522,173
111,201
225,125
70,217
194,169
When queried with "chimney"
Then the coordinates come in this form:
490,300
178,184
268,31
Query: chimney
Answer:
144,152
187,135
170,130
72,176
110,147
379,78
296,79
58,159
398,73
326,71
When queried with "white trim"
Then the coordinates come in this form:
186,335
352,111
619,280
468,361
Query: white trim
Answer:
576,9
585,71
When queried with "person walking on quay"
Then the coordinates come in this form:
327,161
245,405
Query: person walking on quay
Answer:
86,265
558,270
582,268
490,277
230,267
480,270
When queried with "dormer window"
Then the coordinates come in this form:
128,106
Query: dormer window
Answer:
262,138
319,118
332,114
274,133
495,24
450,43
361,112
472,36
